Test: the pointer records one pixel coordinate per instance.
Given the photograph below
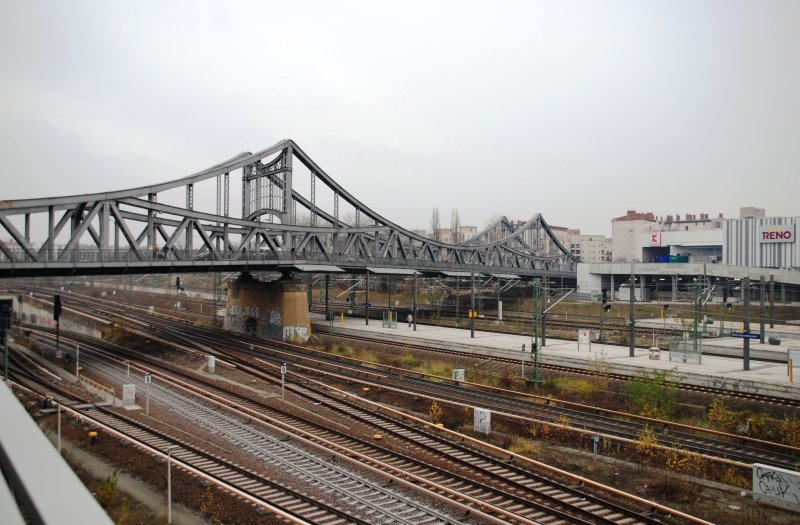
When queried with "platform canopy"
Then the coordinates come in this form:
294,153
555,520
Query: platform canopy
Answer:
318,268
392,271
460,274
505,276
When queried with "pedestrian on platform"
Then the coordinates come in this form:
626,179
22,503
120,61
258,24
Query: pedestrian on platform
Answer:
410,318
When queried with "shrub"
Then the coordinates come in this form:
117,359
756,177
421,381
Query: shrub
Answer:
653,395
719,417
106,492
790,431
685,462
647,445
435,412
408,359
525,447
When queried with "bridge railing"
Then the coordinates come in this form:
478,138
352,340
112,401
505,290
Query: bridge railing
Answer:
93,257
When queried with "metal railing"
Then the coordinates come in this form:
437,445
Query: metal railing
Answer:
38,479
75,258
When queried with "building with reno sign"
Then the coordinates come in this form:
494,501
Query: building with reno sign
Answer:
767,242
752,240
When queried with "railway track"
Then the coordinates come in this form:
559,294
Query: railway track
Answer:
733,449
736,450
533,497
256,487
580,371
579,322
204,339
357,498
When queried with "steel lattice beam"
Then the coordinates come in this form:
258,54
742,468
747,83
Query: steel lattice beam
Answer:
266,191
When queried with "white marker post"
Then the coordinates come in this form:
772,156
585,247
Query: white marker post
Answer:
522,361
585,336
482,420
148,379
283,380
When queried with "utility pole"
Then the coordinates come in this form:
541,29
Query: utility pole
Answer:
761,291
217,292
309,291
328,315
772,301
543,307
603,310
696,299
535,375
366,299
499,304
6,313
57,317
458,301
416,308
632,326
746,320
472,308
705,287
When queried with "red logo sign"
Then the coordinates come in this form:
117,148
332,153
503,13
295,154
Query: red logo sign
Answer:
655,239
776,235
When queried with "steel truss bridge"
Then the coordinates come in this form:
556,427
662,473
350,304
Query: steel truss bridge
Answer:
325,229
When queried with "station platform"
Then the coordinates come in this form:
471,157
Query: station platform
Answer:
765,378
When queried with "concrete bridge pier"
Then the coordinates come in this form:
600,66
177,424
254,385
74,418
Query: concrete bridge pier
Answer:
270,310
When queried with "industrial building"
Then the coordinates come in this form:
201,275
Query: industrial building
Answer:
667,253
752,240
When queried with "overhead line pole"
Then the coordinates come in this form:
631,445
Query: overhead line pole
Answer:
632,334
746,321
761,292
543,299
472,309
772,301
416,307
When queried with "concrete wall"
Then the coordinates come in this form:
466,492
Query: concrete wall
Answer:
40,313
275,310
776,486
627,239
589,283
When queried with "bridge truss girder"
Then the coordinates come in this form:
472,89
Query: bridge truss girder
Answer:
132,227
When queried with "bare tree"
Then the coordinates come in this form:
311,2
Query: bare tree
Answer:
435,224
455,225
495,233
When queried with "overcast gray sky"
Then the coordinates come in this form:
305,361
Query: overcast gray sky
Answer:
577,110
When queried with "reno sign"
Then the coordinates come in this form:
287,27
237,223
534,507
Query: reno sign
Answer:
777,234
